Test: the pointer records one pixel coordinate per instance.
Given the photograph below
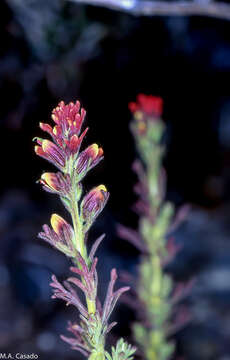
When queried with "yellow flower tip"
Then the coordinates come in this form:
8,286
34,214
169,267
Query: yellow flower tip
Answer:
38,150
55,130
49,179
138,115
93,151
57,223
46,176
99,192
46,145
102,188
94,148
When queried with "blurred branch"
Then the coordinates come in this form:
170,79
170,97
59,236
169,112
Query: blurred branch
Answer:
167,8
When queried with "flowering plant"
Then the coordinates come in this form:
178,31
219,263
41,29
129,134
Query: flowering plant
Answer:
64,153
159,297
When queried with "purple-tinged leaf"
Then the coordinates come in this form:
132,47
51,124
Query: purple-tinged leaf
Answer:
95,246
69,296
180,217
172,249
79,284
89,287
110,326
111,297
131,236
93,267
99,306
75,345
115,298
75,329
181,291
183,317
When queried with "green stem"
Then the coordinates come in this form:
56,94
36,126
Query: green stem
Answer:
156,345
97,356
79,242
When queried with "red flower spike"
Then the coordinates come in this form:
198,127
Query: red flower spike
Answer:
68,116
65,134
148,104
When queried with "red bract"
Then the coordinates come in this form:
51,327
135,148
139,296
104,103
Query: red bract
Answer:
69,117
151,105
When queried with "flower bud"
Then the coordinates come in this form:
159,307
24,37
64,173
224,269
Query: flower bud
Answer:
51,152
50,182
60,235
56,183
88,159
58,224
93,203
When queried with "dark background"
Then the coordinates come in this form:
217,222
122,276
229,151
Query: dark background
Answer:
56,50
